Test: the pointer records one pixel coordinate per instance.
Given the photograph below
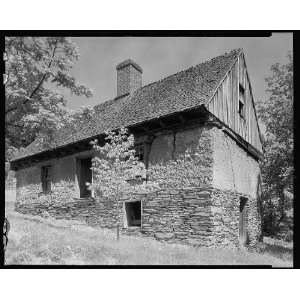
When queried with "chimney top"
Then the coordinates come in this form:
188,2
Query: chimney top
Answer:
129,62
129,77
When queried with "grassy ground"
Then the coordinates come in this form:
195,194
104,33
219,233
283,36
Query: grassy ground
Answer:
35,240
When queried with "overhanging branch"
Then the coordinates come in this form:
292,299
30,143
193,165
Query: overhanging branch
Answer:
38,85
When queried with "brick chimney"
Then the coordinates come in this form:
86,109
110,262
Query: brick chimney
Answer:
129,77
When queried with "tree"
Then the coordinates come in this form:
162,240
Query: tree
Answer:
117,171
36,67
277,116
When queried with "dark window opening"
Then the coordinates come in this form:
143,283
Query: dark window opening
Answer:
133,213
241,101
46,179
241,108
140,152
84,176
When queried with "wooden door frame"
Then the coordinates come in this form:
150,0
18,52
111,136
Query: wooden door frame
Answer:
79,158
243,230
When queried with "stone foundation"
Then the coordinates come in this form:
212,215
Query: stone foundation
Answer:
197,216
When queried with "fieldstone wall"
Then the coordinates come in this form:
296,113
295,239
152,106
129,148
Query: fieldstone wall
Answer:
64,185
179,215
197,216
205,212
226,212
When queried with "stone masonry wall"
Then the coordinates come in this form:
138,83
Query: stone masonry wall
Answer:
205,213
180,215
225,211
64,185
197,216
235,175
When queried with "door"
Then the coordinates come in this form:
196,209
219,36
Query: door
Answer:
243,221
85,175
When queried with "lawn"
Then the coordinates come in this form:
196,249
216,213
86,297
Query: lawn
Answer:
36,240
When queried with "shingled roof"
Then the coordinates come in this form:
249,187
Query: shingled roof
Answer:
184,90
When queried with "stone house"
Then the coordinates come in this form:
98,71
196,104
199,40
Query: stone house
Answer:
208,108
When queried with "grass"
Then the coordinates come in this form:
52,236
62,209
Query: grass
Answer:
35,240
279,249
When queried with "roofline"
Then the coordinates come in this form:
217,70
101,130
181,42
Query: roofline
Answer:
241,52
140,123
101,133
174,74
239,139
222,80
248,77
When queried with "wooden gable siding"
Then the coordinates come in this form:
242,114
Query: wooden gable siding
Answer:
225,104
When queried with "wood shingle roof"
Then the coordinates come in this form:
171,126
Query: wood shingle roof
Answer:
181,91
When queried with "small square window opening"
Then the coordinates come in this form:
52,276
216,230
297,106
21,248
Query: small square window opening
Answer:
133,213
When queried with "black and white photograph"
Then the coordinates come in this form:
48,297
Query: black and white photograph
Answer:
129,150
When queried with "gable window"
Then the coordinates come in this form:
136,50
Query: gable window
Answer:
46,179
241,101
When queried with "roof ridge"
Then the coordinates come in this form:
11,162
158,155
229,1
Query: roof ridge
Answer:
112,100
238,50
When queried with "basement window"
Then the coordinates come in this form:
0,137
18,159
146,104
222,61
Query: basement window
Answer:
133,213
46,179
241,101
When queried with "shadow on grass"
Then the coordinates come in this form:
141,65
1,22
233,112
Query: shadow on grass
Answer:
278,251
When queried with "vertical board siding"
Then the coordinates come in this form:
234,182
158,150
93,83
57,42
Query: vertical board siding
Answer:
224,104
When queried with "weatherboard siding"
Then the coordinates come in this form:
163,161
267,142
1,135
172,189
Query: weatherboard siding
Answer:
224,104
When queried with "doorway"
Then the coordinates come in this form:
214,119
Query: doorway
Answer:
84,175
243,221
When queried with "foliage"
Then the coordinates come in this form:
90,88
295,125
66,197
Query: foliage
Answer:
189,169
116,169
36,68
277,168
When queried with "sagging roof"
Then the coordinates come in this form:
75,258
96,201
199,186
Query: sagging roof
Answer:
181,91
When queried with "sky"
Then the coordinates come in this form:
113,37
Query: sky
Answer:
163,56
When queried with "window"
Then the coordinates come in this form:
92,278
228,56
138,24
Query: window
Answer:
46,179
133,214
241,101
139,152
